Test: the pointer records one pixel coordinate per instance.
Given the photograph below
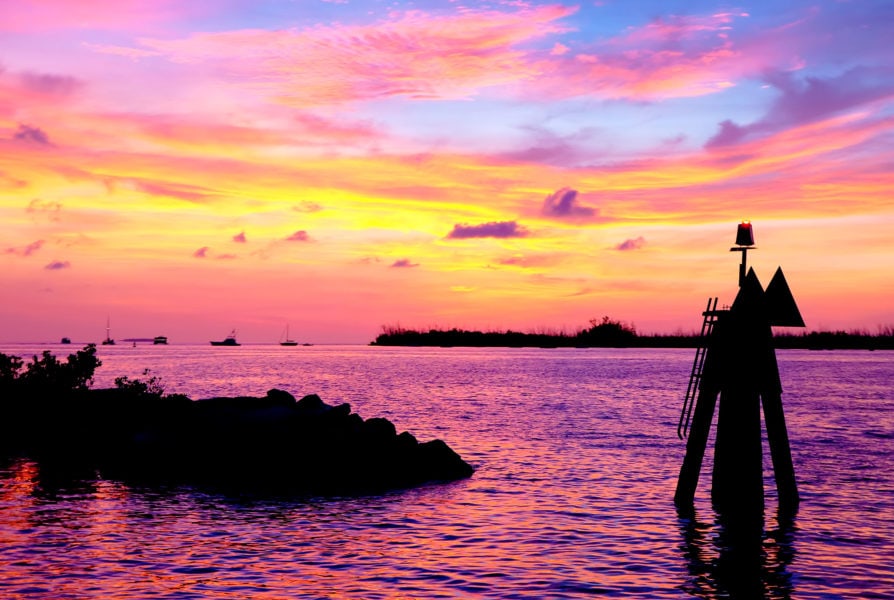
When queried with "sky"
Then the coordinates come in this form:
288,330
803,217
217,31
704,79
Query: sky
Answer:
187,168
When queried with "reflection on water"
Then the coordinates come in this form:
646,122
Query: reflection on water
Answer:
577,461
738,560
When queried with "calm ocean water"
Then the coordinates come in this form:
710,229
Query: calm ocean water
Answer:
576,455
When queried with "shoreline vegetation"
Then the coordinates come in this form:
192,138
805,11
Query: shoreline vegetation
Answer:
610,333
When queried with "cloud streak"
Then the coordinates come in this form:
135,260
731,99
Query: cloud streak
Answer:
494,229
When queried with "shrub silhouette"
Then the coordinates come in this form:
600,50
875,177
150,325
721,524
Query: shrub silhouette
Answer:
47,374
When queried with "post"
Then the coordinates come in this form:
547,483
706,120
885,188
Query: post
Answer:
740,367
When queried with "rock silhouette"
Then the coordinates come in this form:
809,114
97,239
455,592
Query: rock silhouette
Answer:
247,443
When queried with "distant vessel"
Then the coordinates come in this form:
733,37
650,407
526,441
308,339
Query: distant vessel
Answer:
160,339
108,341
230,340
65,340
288,341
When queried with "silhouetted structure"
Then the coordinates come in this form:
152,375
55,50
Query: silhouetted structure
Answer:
738,363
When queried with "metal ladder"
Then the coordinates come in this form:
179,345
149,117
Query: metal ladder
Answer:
698,364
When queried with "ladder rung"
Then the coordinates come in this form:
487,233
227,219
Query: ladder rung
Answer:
695,376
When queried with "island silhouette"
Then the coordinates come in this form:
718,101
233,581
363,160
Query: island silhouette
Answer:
611,333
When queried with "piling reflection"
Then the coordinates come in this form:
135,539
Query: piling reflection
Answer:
734,557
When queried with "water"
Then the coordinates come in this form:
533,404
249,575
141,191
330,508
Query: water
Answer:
576,457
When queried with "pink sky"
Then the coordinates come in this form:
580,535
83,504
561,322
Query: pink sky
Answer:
340,166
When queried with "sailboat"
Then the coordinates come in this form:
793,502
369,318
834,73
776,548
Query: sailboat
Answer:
108,341
288,341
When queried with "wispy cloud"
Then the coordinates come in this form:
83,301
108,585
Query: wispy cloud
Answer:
494,229
413,54
804,100
670,57
189,193
529,260
27,250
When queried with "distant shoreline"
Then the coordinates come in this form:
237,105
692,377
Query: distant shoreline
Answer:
611,334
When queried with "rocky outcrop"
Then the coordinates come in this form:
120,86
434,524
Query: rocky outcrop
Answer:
272,443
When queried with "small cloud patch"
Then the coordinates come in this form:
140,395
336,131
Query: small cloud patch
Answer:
495,229
298,236
33,135
563,204
239,238
57,265
201,252
631,244
403,263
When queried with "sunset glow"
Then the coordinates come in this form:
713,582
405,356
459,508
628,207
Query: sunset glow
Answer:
184,169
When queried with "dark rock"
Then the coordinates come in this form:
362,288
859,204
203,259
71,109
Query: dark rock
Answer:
247,443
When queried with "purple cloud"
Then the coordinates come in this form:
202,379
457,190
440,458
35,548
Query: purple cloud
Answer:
226,257
563,203
298,236
201,252
239,238
26,250
809,99
495,229
631,244
403,263
57,265
26,133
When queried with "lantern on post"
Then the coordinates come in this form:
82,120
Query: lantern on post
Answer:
744,243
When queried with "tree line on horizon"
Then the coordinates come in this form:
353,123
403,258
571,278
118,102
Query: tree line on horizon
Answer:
610,333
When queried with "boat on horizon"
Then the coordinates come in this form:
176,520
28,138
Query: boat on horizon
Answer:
288,341
65,340
108,341
160,339
230,340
